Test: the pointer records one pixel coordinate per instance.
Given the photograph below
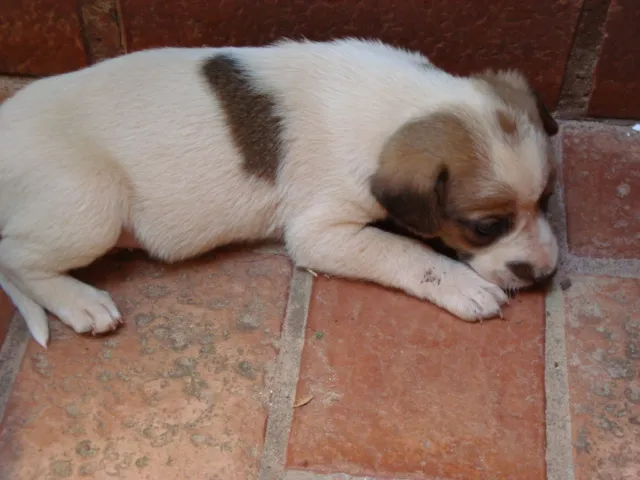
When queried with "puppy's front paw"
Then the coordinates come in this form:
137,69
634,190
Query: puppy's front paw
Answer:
92,311
467,295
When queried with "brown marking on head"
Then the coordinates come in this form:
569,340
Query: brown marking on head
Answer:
251,114
507,122
435,179
514,90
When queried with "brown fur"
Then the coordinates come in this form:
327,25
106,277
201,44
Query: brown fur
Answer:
514,91
434,174
251,115
507,122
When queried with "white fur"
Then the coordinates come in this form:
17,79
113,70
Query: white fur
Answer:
140,143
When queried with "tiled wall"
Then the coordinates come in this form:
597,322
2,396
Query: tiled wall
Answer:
582,50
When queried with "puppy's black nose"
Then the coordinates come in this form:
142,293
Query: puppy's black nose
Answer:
525,272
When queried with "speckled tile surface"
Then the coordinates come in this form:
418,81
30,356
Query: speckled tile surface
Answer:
603,348
179,392
401,387
602,190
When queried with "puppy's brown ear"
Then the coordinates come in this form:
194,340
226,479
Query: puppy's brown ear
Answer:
548,122
419,211
415,167
514,90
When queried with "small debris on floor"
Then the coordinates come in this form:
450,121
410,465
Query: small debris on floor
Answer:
303,402
311,272
319,335
565,284
636,127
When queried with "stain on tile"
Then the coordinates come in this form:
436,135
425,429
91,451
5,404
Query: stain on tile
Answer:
602,190
179,392
402,388
603,331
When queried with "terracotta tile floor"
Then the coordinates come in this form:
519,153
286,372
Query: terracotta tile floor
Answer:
177,392
238,367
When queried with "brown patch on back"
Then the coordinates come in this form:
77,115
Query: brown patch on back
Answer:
435,170
512,88
251,116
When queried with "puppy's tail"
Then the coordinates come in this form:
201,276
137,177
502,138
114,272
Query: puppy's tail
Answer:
33,314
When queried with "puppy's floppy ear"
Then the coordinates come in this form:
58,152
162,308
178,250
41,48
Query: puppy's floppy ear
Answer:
415,167
548,122
514,90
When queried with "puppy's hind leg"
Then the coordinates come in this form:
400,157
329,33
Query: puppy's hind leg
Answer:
33,314
66,226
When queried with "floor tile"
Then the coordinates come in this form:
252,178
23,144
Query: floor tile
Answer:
603,349
178,393
602,190
401,387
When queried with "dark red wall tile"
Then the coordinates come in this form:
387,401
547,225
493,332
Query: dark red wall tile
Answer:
617,81
461,36
6,312
40,37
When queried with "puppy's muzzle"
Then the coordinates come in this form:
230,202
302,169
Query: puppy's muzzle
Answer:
525,272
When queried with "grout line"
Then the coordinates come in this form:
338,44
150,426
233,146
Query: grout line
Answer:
285,379
559,450
584,54
621,268
557,207
559,454
121,29
11,354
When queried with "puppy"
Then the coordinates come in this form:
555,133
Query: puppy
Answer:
189,149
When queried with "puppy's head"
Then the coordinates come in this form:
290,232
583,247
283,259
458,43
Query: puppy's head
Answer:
479,179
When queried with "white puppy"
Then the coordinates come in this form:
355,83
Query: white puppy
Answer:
185,150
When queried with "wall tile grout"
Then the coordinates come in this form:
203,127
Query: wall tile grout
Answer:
11,356
283,387
580,67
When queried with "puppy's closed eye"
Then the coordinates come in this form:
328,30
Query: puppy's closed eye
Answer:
485,231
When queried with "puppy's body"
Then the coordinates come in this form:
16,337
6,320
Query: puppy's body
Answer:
189,149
